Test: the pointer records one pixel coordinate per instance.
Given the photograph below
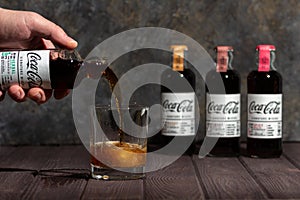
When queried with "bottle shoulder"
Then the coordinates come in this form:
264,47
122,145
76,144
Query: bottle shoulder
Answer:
230,74
181,81
223,82
187,73
255,74
264,82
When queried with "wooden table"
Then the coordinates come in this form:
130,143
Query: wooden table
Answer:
62,172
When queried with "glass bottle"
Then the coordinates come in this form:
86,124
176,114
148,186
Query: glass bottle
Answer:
264,128
223,104
48,69
179,104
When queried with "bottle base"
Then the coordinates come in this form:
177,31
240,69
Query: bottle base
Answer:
277,155
264,148
101,173
223,155
226,147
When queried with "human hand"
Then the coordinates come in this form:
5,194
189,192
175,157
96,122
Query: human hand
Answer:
29,30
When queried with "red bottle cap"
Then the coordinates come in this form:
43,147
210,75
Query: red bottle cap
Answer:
265,47
222,57
264,57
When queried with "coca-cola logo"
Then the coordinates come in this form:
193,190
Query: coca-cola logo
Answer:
33,77
183,106
231,107
273,107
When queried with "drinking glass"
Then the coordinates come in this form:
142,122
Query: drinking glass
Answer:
118,142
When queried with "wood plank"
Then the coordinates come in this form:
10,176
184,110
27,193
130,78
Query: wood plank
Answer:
62,175
292,153
6,151
177,181
127,189
68,157
55,187
277,177
27,158
14,184
226,178
67,161
46,157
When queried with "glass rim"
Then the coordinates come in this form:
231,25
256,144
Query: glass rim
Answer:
122,107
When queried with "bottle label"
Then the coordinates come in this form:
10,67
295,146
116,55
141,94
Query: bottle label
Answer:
223,115
178,115
265,116
25,68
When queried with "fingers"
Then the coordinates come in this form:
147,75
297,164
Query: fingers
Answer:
48,44
39,95
16,93
34,28
44,28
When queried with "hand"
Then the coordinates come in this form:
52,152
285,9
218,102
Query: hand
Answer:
29,30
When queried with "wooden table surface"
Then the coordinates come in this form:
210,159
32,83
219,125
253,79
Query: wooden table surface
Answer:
62,172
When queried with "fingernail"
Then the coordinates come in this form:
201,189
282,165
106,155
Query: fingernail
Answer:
38,97
73,43
18,94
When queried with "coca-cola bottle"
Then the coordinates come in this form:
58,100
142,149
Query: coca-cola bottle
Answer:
178,113
55,68
264,134
223,104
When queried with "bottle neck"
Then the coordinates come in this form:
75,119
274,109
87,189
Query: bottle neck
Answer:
265,60
224,61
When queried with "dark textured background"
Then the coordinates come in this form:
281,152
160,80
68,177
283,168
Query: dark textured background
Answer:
242,24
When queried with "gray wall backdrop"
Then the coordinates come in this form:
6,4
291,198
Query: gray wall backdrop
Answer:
242,24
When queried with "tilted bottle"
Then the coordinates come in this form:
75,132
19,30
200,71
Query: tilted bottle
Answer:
178,113
264,129
223,104
55,68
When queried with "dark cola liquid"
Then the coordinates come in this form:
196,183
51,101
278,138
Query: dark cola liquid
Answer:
112,81
63,73
178,79
231,81
264,83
